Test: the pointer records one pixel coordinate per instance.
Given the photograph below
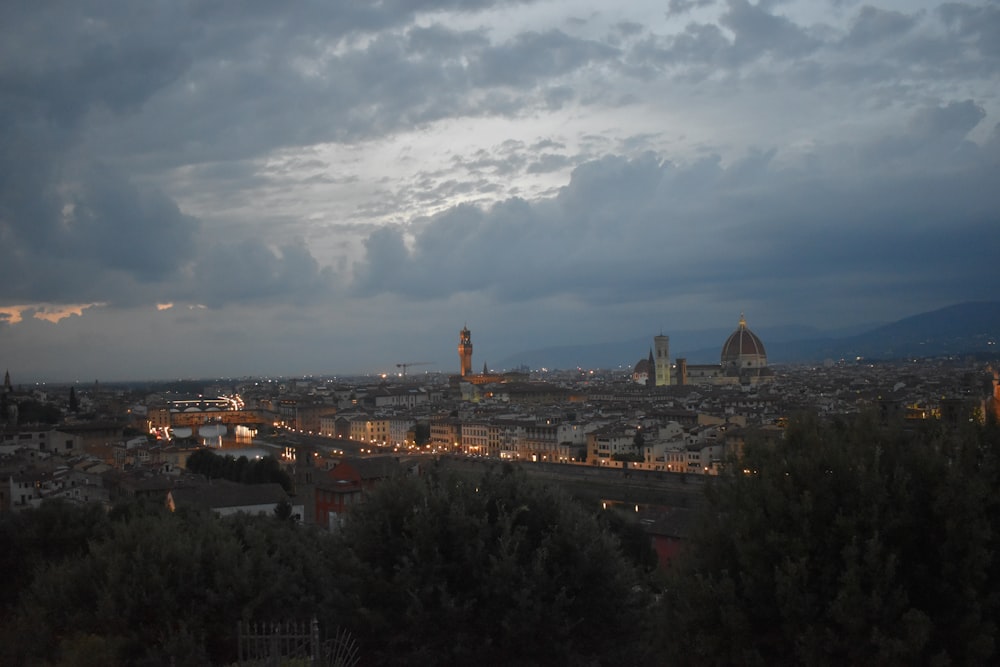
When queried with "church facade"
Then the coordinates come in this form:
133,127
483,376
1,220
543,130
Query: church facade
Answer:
743,361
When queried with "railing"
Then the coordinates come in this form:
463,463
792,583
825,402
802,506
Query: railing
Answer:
293,644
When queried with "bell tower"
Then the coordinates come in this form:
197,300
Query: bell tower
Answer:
662,345
465,351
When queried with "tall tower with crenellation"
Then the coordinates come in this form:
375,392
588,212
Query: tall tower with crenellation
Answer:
661,345
465,351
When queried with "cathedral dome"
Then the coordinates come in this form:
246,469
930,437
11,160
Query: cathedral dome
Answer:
743,351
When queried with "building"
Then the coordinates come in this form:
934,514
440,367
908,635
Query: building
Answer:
470,392
44,439
445,433
661,345
645,371
224,498
465,351
346,484
607,442
743,361
743,355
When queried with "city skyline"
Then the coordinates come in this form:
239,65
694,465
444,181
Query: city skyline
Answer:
196,191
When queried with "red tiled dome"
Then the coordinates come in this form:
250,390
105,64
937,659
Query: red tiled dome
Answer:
742,344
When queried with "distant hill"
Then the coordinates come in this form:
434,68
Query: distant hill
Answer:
965,328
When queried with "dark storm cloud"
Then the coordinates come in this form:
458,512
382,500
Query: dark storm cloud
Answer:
676,7
978,25
532,56
128,229
61,59
287,86
935,136
97,99
437,41
628,28
629,229
699,44
250,272
873,25
753,33
758,32
67,224
76,227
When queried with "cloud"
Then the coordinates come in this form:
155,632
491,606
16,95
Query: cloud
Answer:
677,7
873,26
501,159
628,230
83,233
758,32
975,24
532,56
53,313
252,272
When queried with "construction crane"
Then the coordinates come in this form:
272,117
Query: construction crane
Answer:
406,364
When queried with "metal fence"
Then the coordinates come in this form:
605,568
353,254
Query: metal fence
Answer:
293,643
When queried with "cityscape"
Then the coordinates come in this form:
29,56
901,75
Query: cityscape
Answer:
508,332
95,443
642,447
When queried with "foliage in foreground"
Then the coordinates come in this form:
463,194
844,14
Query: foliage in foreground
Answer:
847,544
503,572
428,571
151,586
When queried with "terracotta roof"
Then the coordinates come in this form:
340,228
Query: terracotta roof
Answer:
742,342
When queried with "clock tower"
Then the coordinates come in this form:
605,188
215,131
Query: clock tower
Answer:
465,351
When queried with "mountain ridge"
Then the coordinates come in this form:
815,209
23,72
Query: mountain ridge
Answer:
971,327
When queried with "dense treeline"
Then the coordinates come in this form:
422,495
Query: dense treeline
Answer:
430,570
847,544
258,471
503,572
850,543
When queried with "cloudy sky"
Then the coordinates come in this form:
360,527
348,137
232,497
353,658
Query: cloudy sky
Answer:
195,188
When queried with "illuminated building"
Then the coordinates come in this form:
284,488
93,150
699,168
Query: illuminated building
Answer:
743,360
743,354
661,344
465,351
465,362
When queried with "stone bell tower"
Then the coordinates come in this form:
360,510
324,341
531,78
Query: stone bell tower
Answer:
465,351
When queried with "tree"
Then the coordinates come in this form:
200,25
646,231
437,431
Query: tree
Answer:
283,510
153,587
35,537
421,433
635,543
74,404
847,543
259,471
501,570
31,411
